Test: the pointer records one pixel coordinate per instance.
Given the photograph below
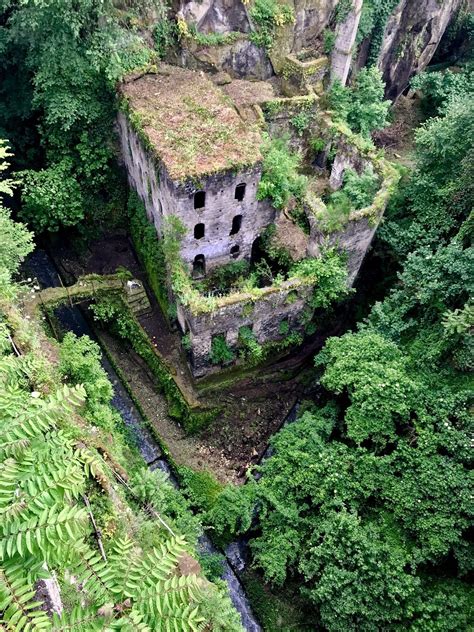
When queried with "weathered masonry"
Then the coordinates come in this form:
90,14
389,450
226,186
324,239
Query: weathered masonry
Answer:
189,155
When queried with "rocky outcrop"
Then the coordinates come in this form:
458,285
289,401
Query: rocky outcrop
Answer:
217,16
411,37
346,32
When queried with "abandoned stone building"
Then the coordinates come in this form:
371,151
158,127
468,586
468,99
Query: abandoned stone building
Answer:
204,167
192,151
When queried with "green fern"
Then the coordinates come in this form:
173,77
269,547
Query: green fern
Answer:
40,534
17,592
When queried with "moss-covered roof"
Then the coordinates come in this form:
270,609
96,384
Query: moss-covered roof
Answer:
189,123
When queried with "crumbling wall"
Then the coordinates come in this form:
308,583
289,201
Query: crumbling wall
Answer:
263,315
356,234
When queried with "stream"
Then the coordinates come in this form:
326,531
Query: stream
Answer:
40,266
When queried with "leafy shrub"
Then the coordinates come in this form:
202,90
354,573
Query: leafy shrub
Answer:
165,36
329,39
267,16
330,275
223,277
357,192
280,178
52,198
301,122
220,351
440,88
284,327
361,106
251,350
201,488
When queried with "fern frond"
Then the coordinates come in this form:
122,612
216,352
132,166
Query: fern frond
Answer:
94,575
9,474
80,619
42,533
17,593
42,490
154,567
42,415
121,562
93,464
132,620
171,610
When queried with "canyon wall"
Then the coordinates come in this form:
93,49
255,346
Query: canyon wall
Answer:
405,40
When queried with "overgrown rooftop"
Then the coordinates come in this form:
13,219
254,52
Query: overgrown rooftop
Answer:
189,123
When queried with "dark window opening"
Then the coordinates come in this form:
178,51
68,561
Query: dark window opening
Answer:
234,252
199,266
240,191
199,199
199,231
236,224
257,251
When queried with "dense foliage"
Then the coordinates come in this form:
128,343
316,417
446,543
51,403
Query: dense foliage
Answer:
280,178
60,62
362,105
367,499
77,505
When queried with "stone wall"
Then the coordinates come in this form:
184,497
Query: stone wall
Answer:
357,233
217,215
263,315
163,198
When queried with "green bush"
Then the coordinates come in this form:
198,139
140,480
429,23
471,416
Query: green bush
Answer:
267,15
301,122
223,277
220,351
330,274
329,39
357,192
280,178
201,488
251,350
361,106
52,198
165,36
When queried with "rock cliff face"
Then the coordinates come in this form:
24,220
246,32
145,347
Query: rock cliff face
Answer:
411,35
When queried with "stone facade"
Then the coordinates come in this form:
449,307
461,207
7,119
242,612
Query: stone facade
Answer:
263,315
222,228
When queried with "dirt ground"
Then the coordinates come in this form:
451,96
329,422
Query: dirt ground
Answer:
236,439
398,139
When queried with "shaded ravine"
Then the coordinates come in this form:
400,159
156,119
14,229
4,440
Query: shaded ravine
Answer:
39,265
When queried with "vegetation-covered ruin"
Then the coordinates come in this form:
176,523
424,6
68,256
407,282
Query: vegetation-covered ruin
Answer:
262,211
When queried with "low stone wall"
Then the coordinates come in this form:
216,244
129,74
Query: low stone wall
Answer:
263,315
280,113
355,236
